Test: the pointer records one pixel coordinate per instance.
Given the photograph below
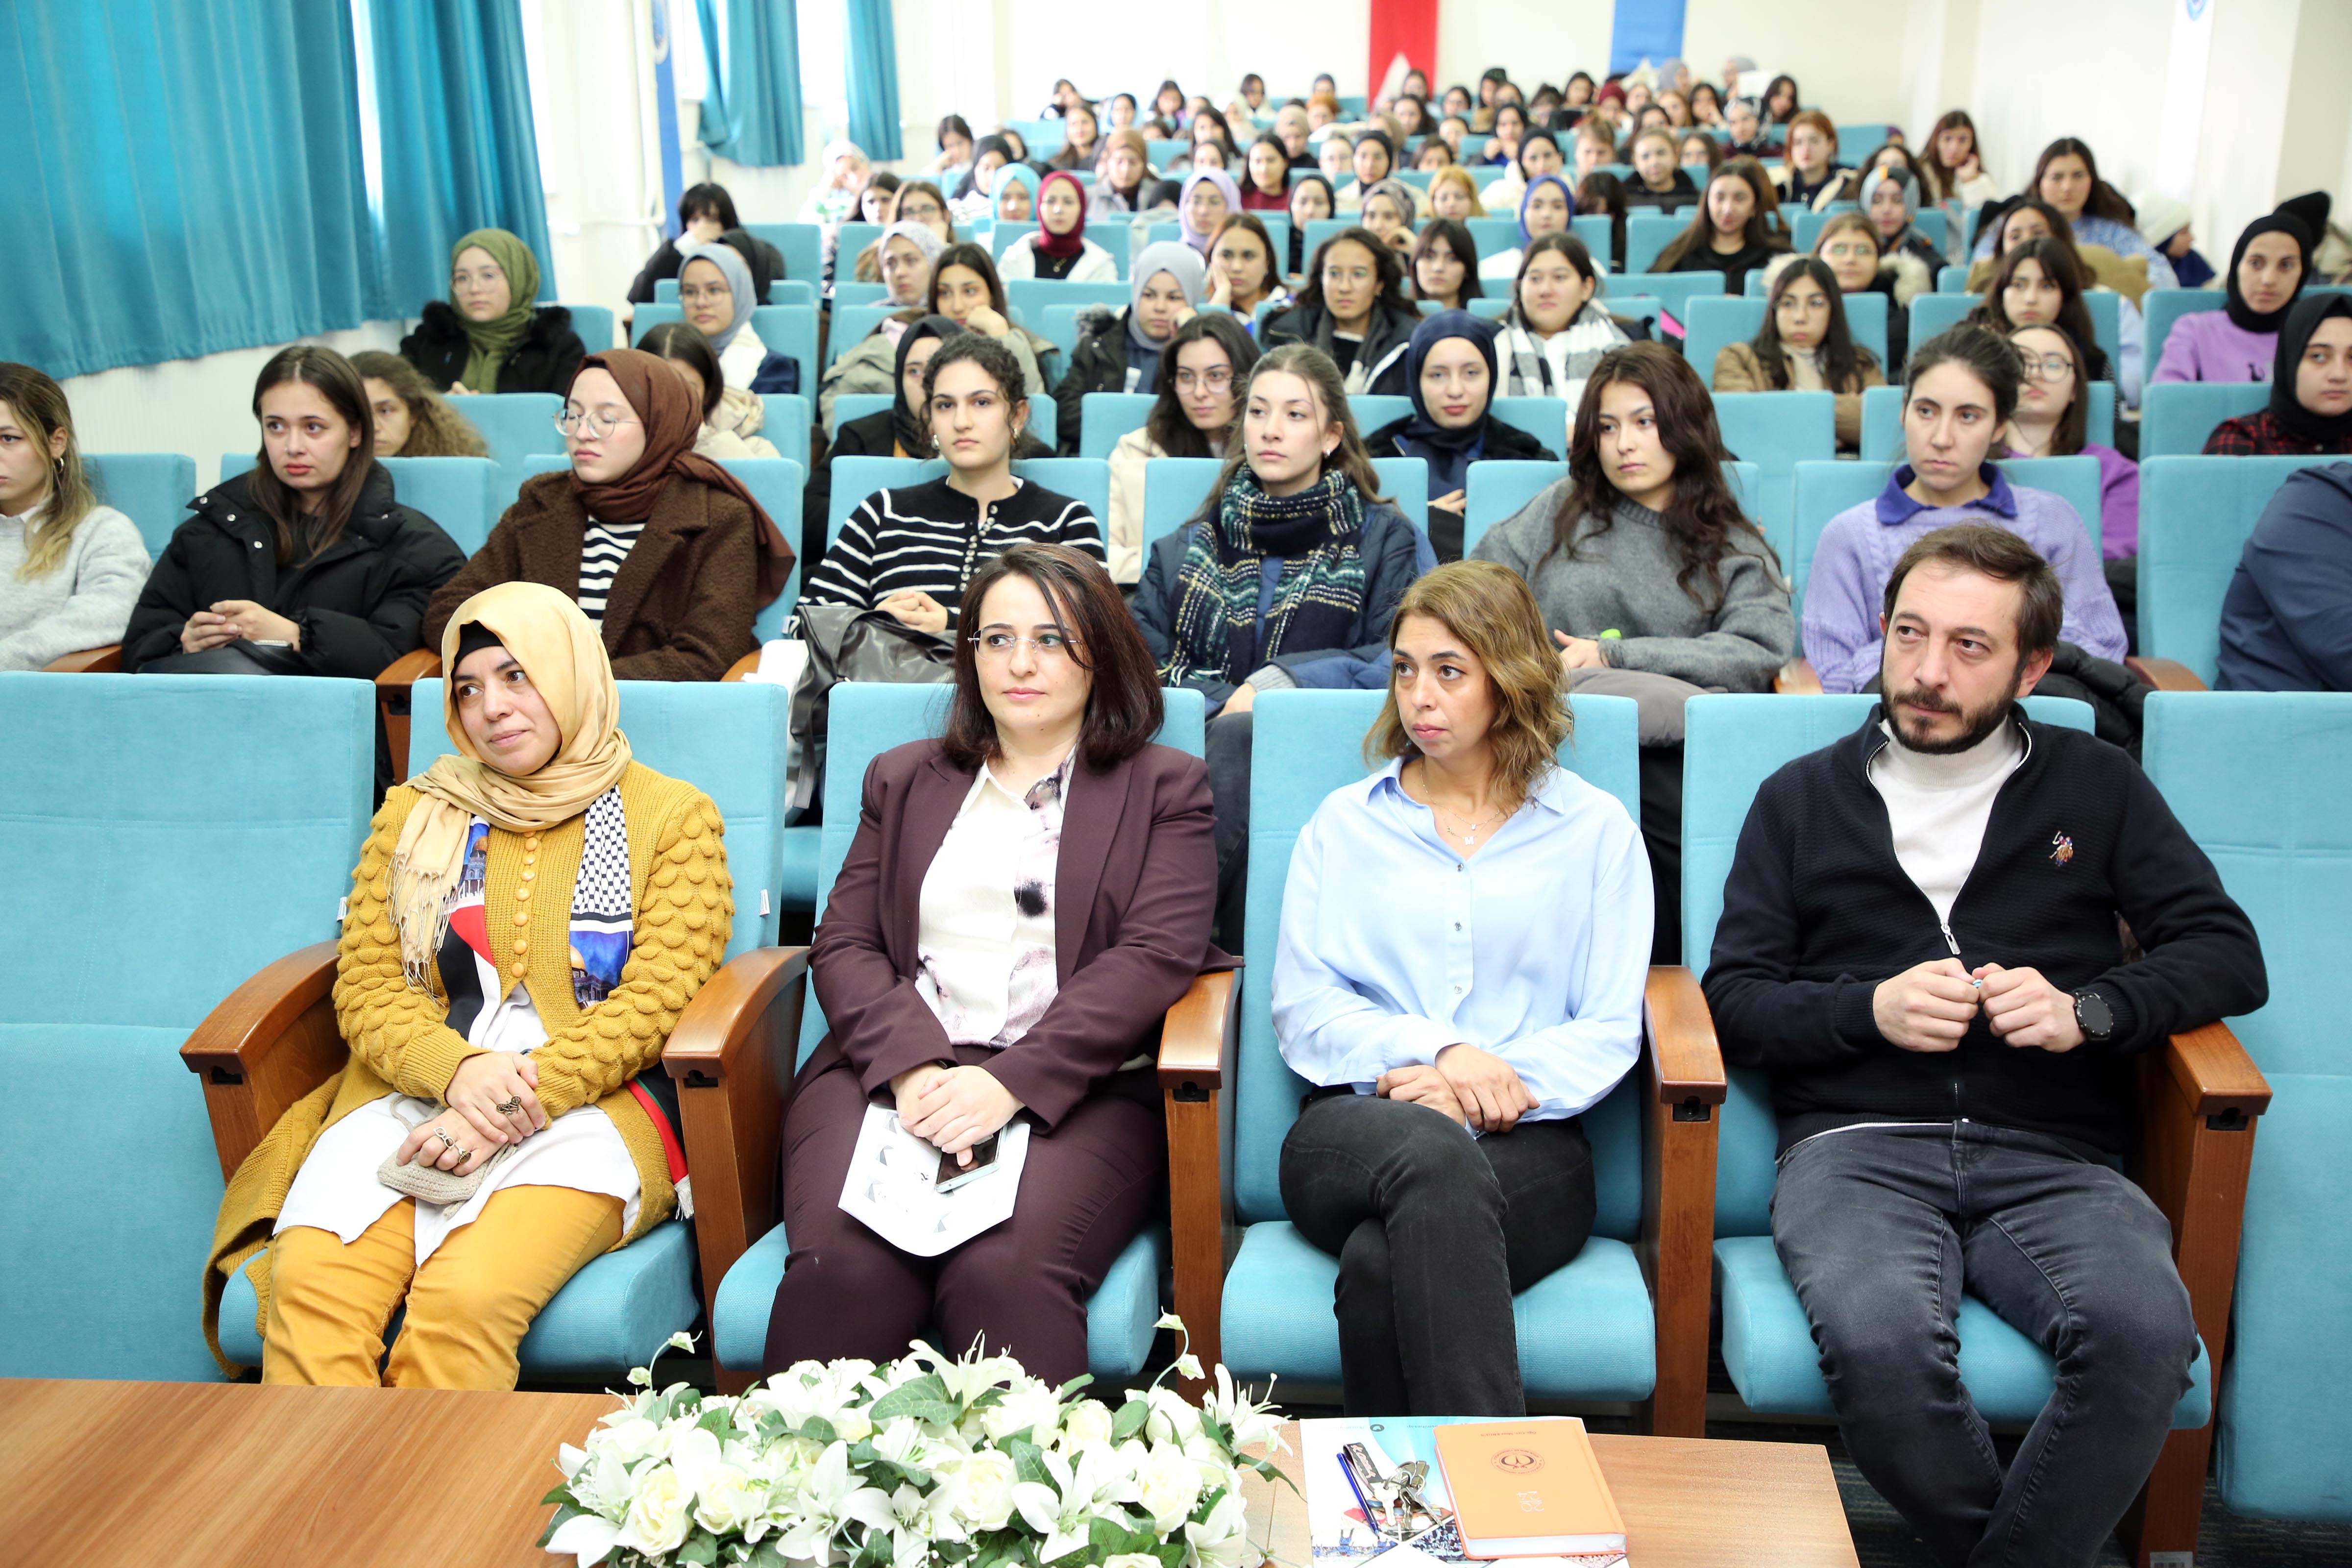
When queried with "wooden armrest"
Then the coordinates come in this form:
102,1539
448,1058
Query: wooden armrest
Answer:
1196,1060
1797,679
104,660
271,1041
731,1055
743,668
2164,674
2199,1095
1679,1125
391,684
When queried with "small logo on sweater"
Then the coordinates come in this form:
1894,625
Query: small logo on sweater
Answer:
2062,849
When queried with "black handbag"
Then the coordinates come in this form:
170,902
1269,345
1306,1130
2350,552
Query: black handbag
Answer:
849,644
238,657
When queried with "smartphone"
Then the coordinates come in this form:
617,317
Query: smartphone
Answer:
953,1173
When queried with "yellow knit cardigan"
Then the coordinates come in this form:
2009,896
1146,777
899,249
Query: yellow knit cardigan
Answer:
399,1044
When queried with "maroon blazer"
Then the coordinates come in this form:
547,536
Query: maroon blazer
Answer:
1134,892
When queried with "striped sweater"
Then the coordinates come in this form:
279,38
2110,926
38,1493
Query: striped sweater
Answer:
930,539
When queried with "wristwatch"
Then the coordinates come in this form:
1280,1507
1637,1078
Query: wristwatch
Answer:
2093,1015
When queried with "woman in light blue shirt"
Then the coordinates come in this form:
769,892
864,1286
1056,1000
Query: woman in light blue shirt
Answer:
1466,936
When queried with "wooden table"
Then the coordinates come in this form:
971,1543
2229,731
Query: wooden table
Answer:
164,1475
1689,1503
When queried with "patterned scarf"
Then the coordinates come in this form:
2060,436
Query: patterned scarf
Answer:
601,922
1318,601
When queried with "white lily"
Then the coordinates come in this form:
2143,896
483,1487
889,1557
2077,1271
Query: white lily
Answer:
1220,1540
584,1537
1063,1513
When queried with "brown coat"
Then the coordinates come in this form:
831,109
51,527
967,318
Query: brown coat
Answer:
682,603
1738,368
1133,896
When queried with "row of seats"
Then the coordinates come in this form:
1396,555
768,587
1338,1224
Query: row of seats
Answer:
159,800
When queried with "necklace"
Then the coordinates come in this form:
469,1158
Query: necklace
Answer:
1470,833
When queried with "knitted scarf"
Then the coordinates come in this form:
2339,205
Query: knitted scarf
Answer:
1318,603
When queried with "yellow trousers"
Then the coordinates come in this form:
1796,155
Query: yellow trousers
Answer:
469,1306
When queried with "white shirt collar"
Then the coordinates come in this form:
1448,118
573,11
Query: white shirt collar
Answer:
1550,790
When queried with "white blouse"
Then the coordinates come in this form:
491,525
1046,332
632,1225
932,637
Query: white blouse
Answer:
984,934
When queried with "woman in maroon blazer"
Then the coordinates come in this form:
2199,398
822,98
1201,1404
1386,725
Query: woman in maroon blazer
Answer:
1001,997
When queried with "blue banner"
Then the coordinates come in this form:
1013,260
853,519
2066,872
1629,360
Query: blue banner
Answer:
1645,30
665,118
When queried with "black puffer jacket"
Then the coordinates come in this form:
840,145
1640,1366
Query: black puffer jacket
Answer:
1379,363
543,362
359,602
1097,364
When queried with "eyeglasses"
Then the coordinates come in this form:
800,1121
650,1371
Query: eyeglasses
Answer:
1217,380
1000,645
717,293
2049,367
592,426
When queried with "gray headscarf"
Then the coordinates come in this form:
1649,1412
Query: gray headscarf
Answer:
1180,261
922,236
725,258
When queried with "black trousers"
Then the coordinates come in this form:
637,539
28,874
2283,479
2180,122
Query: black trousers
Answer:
1435,1231
1226,750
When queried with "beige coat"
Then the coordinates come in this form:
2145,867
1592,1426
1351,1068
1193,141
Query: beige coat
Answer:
1737,369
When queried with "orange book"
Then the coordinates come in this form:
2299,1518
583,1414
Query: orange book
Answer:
1528,1489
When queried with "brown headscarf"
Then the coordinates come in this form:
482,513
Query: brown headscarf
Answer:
672,420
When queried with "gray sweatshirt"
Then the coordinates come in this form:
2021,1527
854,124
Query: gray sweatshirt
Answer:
83,602
1622,579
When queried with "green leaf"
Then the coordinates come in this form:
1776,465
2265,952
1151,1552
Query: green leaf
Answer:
876,1552
563,1515
719,1420
1170,1553
817,1429
1075,1384
914,1398
1028,1461
765,1555
562,1494
1106,1539
1128,1421
701,1548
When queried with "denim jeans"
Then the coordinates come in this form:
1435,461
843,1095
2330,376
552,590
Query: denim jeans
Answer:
1435,1231
1882,1230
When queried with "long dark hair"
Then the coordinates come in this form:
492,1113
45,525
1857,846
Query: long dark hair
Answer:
2060,229
1771,90
2075,424
975,258
1984,353
1841,359
2060,265
1456,233
1124,710
1386,269
684,342
1946,177
1603,191
1699,236
302,535
1703,519
2105,200
434,429
1315,368
1166,428
706,199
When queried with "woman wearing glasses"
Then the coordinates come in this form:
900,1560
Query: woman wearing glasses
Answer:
1205,360
994,1005
666,552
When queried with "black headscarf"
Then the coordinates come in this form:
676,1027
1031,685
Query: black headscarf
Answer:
915,435
2302,321
1447,449
1386,146
2243,316
1549,139
970,182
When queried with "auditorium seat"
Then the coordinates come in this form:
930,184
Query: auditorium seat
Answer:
1001,235
1545,418
786,423
1777,431
1648,233
781,291
164,839
787,330
1882,421
1030,296
801,245
1715,324
2178,417
2163,307
1675,290
1104,417
867,719
852,325
461,494
1596,230
595,325
2257,779
851,240
1588,1332
2194,516
1734,743
1939,311
856,293
152,488
1485,309
1499,489
514,425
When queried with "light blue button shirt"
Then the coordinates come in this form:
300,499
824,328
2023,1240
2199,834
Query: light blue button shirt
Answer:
1537,948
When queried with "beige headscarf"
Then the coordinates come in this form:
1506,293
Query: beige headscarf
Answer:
565,658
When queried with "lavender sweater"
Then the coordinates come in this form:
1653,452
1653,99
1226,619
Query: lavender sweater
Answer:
2206,345
1859,547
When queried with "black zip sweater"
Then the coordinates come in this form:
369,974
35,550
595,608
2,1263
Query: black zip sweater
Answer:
1817,911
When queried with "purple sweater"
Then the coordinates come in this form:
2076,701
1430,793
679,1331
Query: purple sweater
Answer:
2206,345
2118,501
1859,547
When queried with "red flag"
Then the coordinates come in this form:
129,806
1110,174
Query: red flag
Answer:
1407,27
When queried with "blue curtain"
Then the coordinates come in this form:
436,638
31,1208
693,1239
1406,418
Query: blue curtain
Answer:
453,101
186,179
1648,30
873,80
752,108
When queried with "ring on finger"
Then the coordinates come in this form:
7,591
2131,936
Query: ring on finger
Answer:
443,1134
509,1105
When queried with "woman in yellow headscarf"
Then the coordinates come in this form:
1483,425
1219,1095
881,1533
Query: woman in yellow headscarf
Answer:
529,919
489,336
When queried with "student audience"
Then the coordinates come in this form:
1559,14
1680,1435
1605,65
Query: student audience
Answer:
1453,380
2036,283
716,296
665,552
910,552
2240,341
305,564
1208,198
1050,1015
904,256
1453,194
732,417
705,216
1445,267
1060,248
1659,182
1546,207
2164,224
412,420
1954,169
1353,306
2310,412
845,171
1242,275
1122,351
1203,367
1126,172
1960,390
1890,197
538,1058
1812,176
1557,328
2286,622
2052,417
489,336
1310,202
1951,1031
965,288
1805,345
1849,242
2066,175
1729,231
70,566
1471,824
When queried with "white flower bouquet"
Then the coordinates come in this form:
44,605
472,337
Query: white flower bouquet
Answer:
969,1463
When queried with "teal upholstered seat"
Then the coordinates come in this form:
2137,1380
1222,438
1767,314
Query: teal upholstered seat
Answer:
1777,431
152,488
1825,489
464,495
2194,516
1882,420
1716,325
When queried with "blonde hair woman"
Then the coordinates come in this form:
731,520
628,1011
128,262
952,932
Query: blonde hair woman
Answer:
70,569
529,920
1453,193
1471,850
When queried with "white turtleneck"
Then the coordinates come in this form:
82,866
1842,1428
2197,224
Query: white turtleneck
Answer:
1939,806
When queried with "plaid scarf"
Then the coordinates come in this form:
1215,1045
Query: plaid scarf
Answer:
1318,534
